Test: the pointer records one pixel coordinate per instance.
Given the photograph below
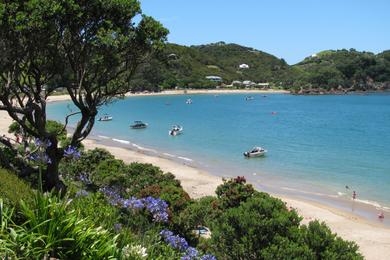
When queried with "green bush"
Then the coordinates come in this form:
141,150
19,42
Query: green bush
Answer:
243,232
201,212
234,191
85,165
327,245
110,172
13,189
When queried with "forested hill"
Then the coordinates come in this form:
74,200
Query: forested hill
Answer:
340,70
344,69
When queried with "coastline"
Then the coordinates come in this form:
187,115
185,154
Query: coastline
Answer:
56,98
373,238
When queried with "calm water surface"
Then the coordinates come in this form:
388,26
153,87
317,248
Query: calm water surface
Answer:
315,143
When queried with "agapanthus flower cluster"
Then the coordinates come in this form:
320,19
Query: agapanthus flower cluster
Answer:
40,157
175,241
71,153
157,207
179,243
113,196
84,178
42,143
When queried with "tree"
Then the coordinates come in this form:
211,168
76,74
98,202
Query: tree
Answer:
92,48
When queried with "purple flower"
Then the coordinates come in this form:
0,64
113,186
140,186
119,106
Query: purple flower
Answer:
82,193
158,208
133,203
117,227
42,143
166,233
208,257
83,177
191,253
71,153
40,158
174,241
113,196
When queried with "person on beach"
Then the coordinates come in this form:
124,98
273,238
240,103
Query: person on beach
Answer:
354,195
381,215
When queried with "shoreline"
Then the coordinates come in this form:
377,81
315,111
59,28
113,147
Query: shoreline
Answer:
372,237
58,98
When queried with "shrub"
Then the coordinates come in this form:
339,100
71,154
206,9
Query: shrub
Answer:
199,213
327,245
85,165
243,232
13,189
234,191
110,172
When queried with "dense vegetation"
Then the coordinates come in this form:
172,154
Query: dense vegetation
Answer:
136,211
342,70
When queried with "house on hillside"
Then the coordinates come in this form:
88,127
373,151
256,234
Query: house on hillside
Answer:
243,66
263,85
214,78
248,83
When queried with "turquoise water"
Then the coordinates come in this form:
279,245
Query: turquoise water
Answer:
314,143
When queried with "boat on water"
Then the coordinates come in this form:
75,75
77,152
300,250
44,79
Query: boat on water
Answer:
105,118
249,98
176,130
189,101
139,125
255,152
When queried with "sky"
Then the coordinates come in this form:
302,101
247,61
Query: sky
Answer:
289,29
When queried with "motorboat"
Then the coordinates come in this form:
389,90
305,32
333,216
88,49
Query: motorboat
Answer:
255,152
139,125
105,118
176,130
249,98
189,101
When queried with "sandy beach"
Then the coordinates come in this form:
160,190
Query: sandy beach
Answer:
372,238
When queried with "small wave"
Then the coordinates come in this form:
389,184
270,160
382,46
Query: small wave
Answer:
341,193
369,202
168,154
120,141
143,148
103,137
185,159
309,192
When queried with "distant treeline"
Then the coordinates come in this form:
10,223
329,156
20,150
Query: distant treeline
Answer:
187,67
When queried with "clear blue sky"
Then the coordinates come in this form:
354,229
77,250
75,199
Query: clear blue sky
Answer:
289,29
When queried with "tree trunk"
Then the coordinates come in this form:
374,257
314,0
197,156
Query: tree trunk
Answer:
51,176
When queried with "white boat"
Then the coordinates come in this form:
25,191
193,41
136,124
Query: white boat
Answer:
249,98
176,130
105,118
255,152
189,101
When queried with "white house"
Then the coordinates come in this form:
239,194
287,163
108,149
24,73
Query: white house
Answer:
243,66
214,78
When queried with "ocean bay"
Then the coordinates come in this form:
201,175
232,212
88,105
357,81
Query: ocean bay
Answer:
315,143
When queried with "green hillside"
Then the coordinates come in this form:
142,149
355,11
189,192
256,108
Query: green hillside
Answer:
188,66
344,69
328,70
